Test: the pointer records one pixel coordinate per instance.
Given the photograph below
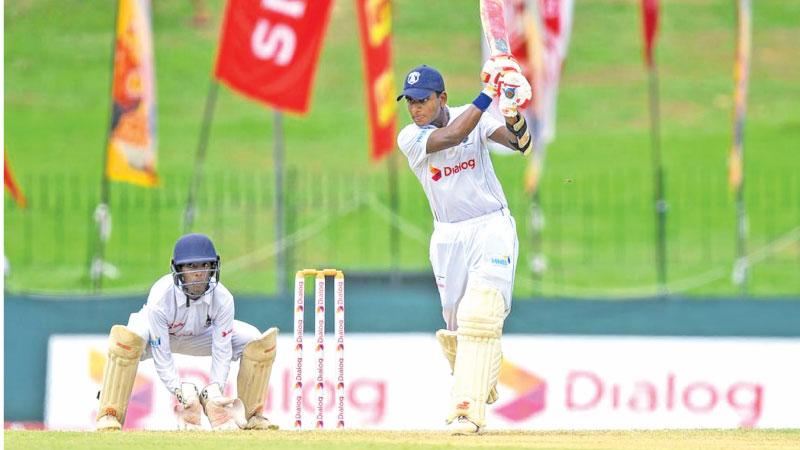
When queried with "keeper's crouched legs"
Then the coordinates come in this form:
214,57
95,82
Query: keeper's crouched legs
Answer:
125,348
255,368
477,362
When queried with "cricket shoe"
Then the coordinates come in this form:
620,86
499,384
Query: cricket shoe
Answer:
258,422
462,426
108,423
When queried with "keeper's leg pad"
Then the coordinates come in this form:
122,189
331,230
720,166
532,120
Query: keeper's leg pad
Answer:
255,368
125,348
449,344
480,325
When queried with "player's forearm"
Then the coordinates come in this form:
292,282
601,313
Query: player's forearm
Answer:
504,137
220,363
515,135
454,134
167,372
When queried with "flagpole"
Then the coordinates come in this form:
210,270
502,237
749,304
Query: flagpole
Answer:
537,262
199,162
741,79
394,231
102,214
277,159
660,204
649,9
740,268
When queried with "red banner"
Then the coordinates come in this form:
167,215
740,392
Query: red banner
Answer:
269,49
11,184
649,28
375,26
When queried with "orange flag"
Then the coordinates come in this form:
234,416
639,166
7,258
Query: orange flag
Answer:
132,138
11,184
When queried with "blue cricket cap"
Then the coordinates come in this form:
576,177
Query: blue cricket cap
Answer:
420,82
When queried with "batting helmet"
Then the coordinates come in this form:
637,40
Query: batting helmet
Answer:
195,248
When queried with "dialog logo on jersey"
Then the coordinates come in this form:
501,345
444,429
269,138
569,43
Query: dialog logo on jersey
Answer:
436,174
530,389
451,170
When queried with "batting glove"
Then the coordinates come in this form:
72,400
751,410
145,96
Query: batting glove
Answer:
515,92
493,70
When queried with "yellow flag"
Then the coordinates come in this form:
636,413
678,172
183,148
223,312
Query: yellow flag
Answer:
132,139
741,78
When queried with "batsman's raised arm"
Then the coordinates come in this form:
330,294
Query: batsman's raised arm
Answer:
515,135
426,99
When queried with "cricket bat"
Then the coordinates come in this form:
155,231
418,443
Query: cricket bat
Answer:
493,20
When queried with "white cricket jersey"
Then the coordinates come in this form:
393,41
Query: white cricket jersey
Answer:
459,182
170,318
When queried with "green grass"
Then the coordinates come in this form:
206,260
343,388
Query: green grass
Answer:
332,440
596,188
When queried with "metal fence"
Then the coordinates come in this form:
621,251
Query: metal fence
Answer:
598,237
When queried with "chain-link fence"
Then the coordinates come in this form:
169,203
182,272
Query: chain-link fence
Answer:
597,237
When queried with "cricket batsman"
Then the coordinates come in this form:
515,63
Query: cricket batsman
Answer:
473,249
189,311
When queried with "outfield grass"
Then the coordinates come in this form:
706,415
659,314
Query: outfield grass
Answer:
333,440
596,188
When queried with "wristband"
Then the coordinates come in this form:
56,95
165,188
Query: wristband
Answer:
482,101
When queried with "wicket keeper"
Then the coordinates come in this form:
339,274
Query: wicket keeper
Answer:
473,249
189,311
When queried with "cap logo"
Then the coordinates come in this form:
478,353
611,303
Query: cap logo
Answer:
413,77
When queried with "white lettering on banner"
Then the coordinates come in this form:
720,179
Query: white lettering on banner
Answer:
291,8
266,43
278,41
587,390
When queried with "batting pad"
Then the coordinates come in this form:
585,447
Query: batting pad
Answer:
125,348
449,344
255,368
480,325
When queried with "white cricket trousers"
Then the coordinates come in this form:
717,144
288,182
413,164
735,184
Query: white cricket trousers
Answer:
199,345
480,251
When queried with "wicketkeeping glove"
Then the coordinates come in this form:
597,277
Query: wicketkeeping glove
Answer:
224,413
188,408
